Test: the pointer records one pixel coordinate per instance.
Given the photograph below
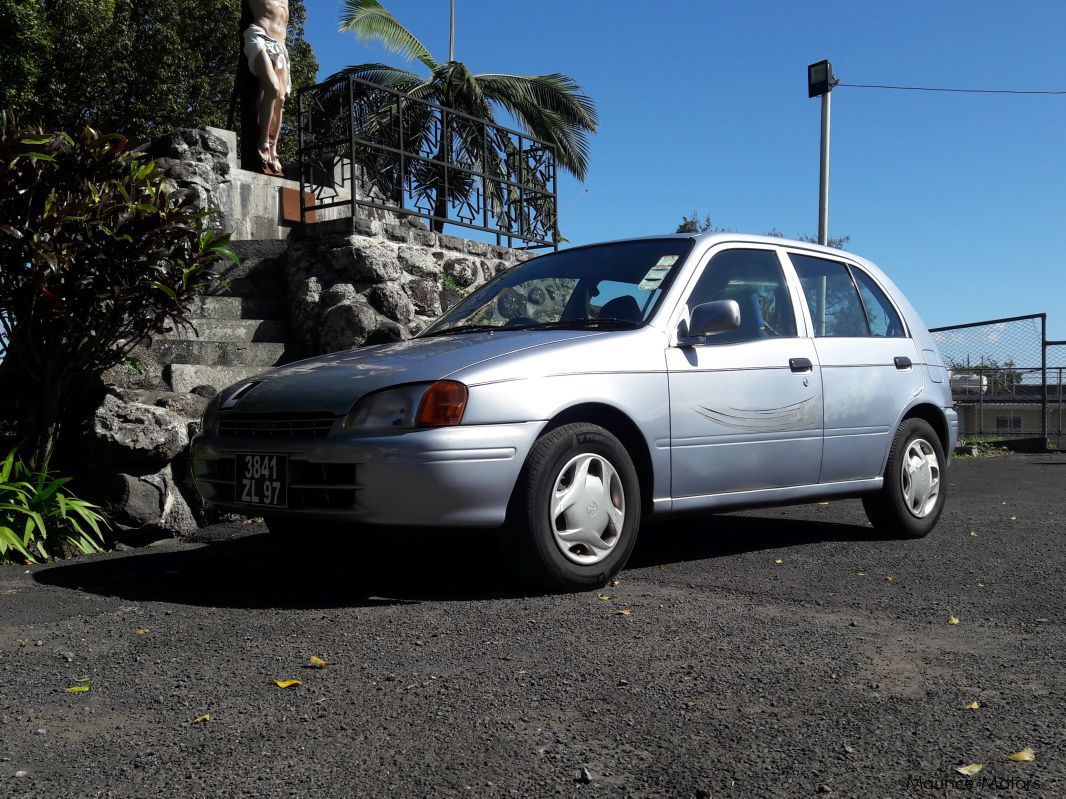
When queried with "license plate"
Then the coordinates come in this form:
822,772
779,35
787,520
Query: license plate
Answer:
262,480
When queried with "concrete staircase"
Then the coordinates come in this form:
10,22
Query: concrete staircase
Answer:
237,332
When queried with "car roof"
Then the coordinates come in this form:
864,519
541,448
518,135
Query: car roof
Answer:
708,239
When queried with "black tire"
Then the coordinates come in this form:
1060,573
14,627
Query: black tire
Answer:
540,557
888,510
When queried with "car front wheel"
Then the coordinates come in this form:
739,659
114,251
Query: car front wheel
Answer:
912,498
576,511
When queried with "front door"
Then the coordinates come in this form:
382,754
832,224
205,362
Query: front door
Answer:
746,405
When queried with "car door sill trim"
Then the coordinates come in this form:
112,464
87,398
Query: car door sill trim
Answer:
777,496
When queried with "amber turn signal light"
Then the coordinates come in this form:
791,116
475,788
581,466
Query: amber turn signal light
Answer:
442,404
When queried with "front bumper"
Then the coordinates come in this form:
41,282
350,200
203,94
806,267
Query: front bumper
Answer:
459,476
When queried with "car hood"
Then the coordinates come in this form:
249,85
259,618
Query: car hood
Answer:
335,382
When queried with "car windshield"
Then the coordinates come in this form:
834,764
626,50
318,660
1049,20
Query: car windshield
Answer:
605,286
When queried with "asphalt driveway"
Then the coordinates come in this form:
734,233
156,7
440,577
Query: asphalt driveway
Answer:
779,653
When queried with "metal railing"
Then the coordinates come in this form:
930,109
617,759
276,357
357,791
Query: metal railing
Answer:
366,145
1001,381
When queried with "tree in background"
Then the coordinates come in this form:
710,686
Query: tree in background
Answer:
550,107
139,67
693,224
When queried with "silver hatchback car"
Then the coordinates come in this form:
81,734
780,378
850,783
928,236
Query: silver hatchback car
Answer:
585,390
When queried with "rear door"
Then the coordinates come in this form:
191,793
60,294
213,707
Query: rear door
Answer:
869,372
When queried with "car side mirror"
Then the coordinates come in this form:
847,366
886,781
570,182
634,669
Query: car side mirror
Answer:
710,319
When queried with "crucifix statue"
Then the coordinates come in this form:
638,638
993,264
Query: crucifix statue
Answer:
268,60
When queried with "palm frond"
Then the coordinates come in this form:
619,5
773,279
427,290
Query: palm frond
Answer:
550,108
384,75
368,20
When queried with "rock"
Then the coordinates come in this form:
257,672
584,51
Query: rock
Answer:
189,406
133,433
418,261
583,776
207,392
21,774
347,324
462,270
425,296
146,373
392,302
144,506
376,263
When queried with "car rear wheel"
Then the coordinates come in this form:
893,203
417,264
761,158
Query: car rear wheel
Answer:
576,510
912,498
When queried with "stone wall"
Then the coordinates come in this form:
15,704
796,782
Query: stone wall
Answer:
379,278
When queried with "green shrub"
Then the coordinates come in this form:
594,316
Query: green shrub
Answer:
39,520
95,255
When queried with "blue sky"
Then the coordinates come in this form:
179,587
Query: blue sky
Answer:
703,107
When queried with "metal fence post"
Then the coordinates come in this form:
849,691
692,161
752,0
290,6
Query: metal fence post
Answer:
300,136
351,142
1043,376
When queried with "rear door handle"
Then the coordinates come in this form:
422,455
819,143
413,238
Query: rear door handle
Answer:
800,365
903,362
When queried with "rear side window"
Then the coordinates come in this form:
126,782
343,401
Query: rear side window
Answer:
884,321
832,298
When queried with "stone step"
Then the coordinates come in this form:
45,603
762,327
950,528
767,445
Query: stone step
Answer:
236,330
257,285
221,307
186,376
220,353
260,248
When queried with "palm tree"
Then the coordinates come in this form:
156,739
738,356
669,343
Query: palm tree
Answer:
549,107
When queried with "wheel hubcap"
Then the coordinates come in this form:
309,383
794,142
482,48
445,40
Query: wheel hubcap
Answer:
588,509
920,475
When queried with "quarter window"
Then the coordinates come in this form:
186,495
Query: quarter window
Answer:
754,279
832,299
884,321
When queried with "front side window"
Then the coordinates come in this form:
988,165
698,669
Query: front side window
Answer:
754,279
884,321
832,298
611,285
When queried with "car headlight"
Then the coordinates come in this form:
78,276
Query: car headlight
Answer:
438,404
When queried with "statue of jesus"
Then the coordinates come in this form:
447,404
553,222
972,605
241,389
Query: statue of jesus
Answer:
268,59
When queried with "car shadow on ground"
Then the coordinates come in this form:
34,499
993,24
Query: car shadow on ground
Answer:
400,566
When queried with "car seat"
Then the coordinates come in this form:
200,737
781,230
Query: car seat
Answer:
624,307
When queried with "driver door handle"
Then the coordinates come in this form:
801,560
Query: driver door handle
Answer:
800,365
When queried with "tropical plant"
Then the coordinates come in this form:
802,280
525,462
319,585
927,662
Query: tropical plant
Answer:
95,255
139,67
39,520
549,107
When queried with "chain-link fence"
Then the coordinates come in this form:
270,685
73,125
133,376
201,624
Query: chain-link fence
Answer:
999,379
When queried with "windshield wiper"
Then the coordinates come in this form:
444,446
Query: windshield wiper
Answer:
586,323
464,329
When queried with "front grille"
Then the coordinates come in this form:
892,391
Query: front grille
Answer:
275,425
312,486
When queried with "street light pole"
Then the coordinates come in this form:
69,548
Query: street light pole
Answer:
820,83
823,176
451,35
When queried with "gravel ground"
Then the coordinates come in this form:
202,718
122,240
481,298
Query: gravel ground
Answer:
777,653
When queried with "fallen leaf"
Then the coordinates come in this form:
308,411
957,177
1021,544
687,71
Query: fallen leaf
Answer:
606,597
1026,754
206,717
980,585
142,631
969,770
81,679
779,561
615,583
77,689
622,613
661,568
953,620
506,656
861,574
287,683
1014,518
891,578
823,503
973,705
317,663
972,533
